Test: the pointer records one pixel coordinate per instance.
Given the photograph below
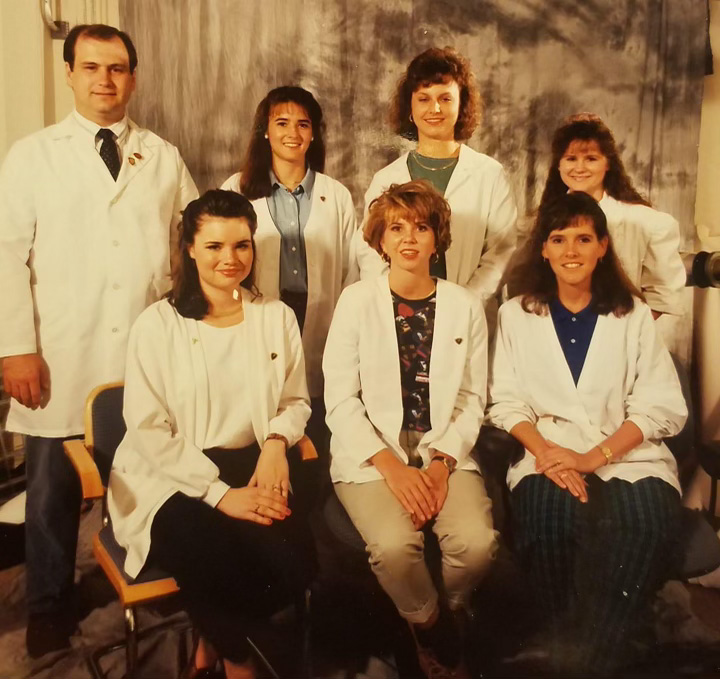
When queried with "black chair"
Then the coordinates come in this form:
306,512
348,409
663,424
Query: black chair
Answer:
92,458
349,544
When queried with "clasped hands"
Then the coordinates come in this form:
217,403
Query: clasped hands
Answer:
565,467
265,498
421,492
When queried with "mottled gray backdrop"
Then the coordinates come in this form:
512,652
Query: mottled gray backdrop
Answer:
204,65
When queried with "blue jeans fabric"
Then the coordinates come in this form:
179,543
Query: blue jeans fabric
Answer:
52,514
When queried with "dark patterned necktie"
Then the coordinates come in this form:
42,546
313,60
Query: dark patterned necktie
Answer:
108,151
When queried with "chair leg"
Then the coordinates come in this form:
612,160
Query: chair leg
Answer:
131,650
305,625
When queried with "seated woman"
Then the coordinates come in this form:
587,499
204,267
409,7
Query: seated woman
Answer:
215,393
580,377
405,382
647,241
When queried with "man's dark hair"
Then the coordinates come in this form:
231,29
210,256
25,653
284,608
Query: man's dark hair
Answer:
99,32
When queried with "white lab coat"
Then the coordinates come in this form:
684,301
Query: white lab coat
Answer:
647,242
628,375
482,223
328,235
80,257
166,409
363,394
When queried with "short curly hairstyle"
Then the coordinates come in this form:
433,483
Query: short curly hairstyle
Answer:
415,201
433,66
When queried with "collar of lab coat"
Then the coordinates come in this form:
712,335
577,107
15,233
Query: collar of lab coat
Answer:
137,154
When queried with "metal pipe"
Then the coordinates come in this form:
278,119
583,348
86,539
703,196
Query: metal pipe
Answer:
58,29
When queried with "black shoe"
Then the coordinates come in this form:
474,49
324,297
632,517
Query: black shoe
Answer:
49,632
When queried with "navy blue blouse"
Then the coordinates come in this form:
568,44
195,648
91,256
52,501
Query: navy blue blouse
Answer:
574,330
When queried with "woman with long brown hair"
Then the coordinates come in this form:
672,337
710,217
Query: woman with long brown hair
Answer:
581,378
306,221
585,158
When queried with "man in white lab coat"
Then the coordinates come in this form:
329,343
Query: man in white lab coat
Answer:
87,208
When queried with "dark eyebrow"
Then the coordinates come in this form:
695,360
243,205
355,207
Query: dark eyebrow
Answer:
95,63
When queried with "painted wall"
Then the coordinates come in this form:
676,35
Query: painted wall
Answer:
32,71
707,216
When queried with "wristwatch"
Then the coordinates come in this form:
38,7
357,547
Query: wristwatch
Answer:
607,453
448,462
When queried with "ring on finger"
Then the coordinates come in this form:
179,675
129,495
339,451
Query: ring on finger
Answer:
257,508
563,475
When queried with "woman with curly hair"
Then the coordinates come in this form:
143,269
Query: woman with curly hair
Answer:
647,241
436,103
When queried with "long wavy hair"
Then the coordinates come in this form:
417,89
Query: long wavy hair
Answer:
431,67
534,280
186,294
255,179
587,127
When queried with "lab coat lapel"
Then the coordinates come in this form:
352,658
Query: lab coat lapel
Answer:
136,157
81,147
448,347
597,358
267,239
386,348
256,365
455,185
200,380
316,228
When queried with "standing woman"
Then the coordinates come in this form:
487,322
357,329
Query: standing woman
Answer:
437,104
215,395
305,221
405,384
582,380
647,241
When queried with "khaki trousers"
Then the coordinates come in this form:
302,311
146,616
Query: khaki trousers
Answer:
463,528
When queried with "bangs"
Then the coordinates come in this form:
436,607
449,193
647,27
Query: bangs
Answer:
415,209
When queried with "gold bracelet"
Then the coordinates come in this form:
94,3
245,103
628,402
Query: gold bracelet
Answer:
606,452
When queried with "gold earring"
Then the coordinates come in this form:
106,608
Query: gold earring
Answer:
266,135
411,119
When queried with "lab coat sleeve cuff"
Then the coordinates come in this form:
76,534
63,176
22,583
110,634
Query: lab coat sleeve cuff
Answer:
644,425
215,492
667,304
509,421
18,349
